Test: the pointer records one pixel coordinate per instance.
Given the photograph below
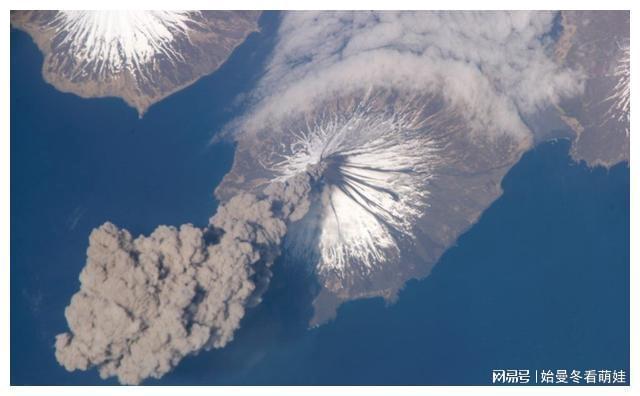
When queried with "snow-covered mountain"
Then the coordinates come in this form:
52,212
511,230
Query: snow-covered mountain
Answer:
398,176
376,165
104,43
597,44
140,56
621,94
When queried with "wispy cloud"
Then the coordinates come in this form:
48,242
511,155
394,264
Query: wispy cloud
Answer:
494,65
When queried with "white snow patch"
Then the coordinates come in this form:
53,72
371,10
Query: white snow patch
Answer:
106,42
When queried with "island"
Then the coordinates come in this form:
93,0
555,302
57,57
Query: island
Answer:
139,56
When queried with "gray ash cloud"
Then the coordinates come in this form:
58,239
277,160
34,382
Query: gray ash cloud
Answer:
146,303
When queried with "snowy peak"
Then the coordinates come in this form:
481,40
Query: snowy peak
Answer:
140,56
106,41
621,93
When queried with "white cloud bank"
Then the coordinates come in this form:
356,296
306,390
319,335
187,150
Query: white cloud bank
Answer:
493,65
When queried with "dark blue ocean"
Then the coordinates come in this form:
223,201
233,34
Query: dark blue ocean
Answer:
541,282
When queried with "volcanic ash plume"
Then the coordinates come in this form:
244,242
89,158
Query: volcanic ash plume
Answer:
146,303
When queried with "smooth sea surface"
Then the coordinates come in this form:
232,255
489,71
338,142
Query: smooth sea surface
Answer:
540,282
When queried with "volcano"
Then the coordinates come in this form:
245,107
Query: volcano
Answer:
140,56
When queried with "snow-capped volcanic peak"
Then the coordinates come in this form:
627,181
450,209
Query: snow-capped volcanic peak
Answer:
620,97
107,41
374,166
139,56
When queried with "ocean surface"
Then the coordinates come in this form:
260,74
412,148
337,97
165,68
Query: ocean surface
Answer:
540,282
